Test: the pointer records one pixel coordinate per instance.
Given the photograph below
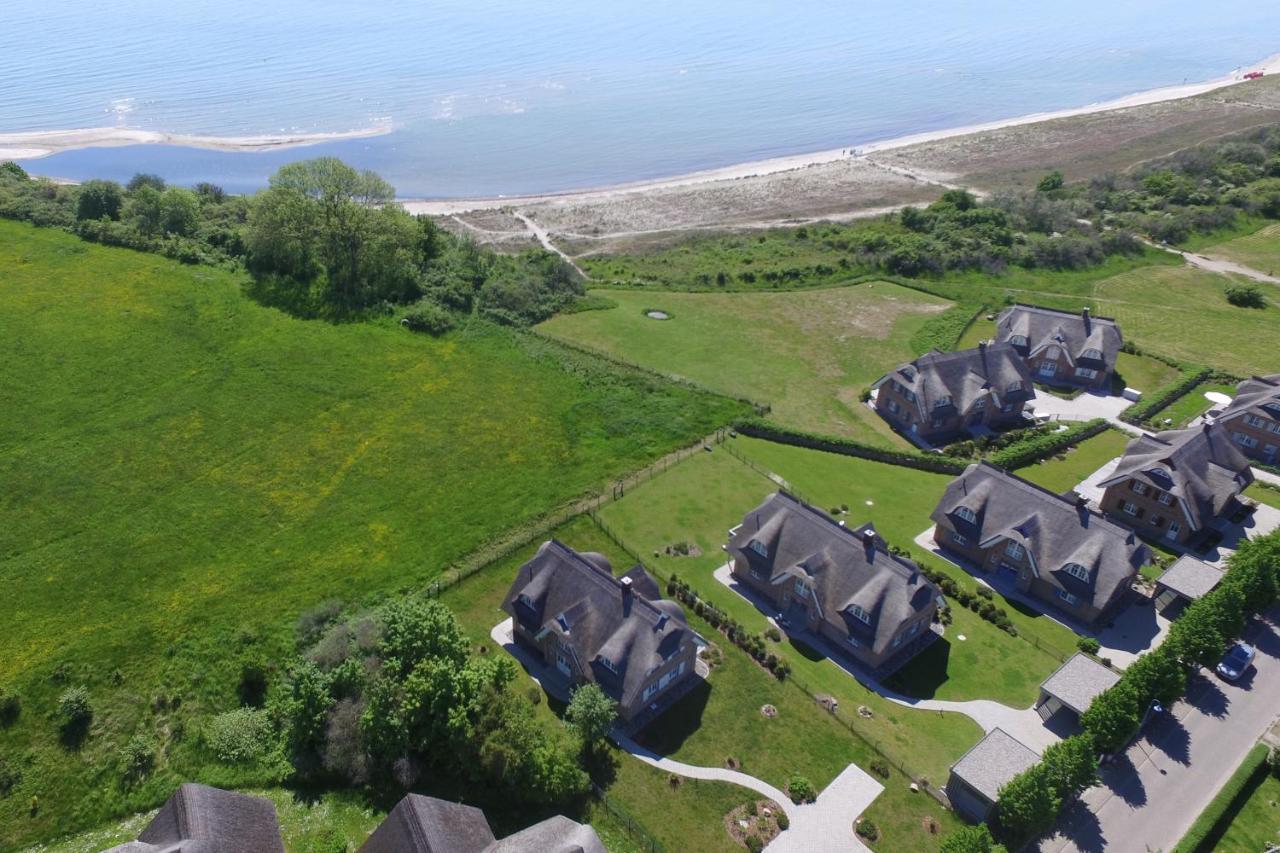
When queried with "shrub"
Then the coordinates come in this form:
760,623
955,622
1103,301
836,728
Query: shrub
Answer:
1161,398
800,789
428,316
759,428
784,822
868,829
138,757
754,844
242,736
1245,296
74,709
773,634
880,767
1088,645
971,839
1040,446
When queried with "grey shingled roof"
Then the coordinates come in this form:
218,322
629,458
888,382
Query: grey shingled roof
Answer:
995,760
964,376
421,824
1079,681
557,834
1074,332
1199,465
635,631
1190,578
1258,395
846,566
1054,529
211,820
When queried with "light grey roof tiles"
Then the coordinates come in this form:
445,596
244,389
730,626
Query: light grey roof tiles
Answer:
1200,465
963,377
556,834
1258,395
1075,333
995,760
847,567
1054,529
1190,578
1079,681
600,617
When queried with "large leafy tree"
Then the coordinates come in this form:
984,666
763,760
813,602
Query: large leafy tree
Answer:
99,200
591,714
1028,803
1071,766
971,839
1113,716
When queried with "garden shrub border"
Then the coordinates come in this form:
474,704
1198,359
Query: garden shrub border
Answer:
1223,806
769,431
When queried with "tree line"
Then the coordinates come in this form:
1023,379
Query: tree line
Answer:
322,240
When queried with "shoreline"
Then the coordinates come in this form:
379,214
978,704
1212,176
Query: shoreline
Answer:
45,143
791,162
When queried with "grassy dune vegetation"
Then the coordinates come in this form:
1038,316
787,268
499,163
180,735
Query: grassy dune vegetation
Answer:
808,354
185,471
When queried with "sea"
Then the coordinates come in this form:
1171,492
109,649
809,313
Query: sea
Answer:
499,97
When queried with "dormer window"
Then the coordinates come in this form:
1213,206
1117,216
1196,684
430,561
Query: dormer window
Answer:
563,622
1018,340
941,402
1094,354
525,600
858,613
1014,387
966,514
758,546
608,664
801,589
1077,571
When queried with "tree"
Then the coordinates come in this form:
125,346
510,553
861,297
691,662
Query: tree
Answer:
1158,675
1071,766
591,714
971,839
1113,716
414,630
145,179
1028,804
1050,182
1195,637
99,200
11,169
179,211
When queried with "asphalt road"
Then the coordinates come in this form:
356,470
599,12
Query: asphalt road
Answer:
1150,796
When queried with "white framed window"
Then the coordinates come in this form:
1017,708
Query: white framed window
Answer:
758,546
958,539
1254,420
608,664
963,512
1272,426
941,401
1139,487
1086,373
1166,499
897,641
938,421
912,630
1018,340
1013,550
1157,520
980,403
1129,509
858,613
1067,597
1094,354
801,589
1076,570
650,690
1245,440
1174,529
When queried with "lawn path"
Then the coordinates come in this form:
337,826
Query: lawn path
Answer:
1213,264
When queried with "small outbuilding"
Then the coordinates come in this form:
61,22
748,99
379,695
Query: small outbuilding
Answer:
1074,686
1185,581
976,779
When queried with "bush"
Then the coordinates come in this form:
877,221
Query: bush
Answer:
759,428
880,767
1245,296
800,789
138,757
971,839
868,829
74,709
754,844
1089,645
784,822
242,736
323,840
1041,446
428,316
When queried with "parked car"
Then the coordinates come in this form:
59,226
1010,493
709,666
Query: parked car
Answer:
1236,661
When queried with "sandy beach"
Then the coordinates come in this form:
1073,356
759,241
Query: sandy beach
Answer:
447,207
27,146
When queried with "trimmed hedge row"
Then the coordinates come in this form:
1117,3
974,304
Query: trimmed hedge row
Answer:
759,428
943,331
1041,446
752,644
1204,832
1143,410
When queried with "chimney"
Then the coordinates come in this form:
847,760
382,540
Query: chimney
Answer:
1084,315
626,596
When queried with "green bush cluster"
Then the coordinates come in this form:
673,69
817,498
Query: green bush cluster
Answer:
1142,411
760,428
242,736
868,829
979,601
1245,296
752,644
800,789
1033,448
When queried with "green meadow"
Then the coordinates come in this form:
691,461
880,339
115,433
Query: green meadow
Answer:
186,471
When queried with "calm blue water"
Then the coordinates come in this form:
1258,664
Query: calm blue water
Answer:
496,96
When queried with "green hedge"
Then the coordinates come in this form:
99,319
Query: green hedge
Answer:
1142,411
943,331
758,428
1022,453
1208,828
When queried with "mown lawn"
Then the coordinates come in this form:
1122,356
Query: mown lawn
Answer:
808,354
1259,250
1190,405
185,471
1256,825
1263,493
1065,471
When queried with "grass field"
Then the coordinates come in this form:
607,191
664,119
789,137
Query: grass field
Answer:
1259,250
1257,824
808,353
1190,405
1066,470
186,471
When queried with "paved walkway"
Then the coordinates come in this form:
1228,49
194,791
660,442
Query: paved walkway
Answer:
1148,798
1023,723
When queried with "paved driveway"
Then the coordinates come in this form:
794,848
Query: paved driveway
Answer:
1085,407
1149,797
